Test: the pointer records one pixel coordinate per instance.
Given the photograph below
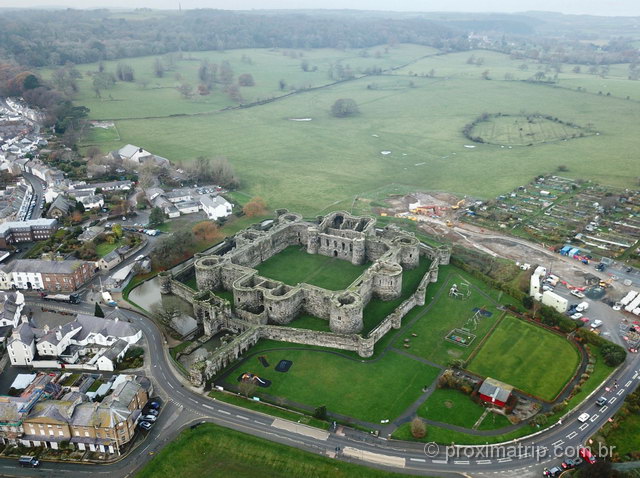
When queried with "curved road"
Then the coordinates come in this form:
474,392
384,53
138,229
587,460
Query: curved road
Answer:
184,406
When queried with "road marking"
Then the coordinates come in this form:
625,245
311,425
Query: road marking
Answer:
605,408
377,458
635,375
613,400
504,460
483,462
421,460
242,418
225,412
439,462
594,417
460,462
557,443
207,406
169,384
620,392
584,426
628,383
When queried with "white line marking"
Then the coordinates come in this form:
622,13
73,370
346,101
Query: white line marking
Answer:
242,418
207,406
483,462
225,412
584,426
605,408
613,400
635,375
440,462
461,462
557,443
620,392
504,460
417,459
628,383
594,417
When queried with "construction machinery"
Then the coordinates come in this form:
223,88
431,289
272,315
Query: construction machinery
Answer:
427,210
458,205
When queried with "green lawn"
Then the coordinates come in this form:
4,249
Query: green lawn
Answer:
448,313
368,391
446,436
311,323
527,357
456,408
293,266
105,248
214,451
625,437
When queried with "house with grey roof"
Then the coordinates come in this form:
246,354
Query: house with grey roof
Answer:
21,346
215,207
60,207
54,276
113,258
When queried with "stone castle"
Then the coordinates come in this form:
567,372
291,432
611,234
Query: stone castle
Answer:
265,308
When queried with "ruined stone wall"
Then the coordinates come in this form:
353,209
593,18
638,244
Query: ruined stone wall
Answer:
317,301
282,309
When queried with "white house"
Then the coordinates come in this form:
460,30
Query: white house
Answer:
215,207
108,358
27,280
22,345
94,201
55,341
105,331
188,207
134,153
6,280
11,305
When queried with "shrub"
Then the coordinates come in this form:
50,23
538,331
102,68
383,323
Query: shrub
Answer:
418,428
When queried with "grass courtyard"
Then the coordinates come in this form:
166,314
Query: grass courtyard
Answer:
369,391
527,357
211,451
294,266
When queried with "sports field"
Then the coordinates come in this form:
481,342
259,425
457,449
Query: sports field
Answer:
370,391
320,165
447,313
527,357
293,266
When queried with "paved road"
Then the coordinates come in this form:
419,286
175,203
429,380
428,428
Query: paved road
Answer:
185,406
38,194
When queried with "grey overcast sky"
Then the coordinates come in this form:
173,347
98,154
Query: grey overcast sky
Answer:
591,7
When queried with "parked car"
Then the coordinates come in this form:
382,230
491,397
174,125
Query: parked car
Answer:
583,417
596,323
555,471
154,405
586,455
570,463
145,425
576,316
150,418
151,411
578,294
601,401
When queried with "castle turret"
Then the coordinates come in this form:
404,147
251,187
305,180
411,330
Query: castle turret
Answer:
312,240
409,251
387,280
358,256
164,280
208,273
346,314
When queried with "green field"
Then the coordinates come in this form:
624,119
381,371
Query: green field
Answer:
293,266
105,248
214,451
456,408
448,313
522,130
370,391
527,357
318,165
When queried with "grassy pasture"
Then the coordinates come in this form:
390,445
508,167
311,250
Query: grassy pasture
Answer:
313,166
370,391
520,354
211,451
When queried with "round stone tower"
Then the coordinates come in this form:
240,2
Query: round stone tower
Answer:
346,313
387,280
164,279
409,251
313,241
358,255
208,273
444,253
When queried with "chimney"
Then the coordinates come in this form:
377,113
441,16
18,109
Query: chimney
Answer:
46,328
116,319
58,334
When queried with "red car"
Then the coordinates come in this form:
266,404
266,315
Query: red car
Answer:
587,456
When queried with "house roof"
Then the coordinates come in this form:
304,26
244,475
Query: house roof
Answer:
115,350
47,267
66,329
498,391
215,201
61,203
57,410
24,333
42,222
128,150
107,326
